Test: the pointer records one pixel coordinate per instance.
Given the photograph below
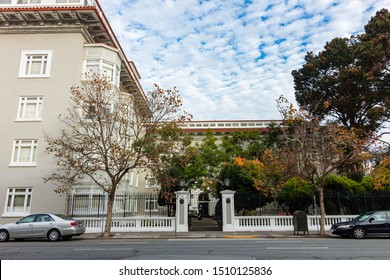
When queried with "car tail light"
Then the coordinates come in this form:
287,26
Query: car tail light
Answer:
73,224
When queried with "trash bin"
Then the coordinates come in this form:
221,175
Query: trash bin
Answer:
300,222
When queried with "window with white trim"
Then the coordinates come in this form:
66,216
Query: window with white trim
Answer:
29,1
136,183
92,66
30,108
24,153
104,68
92,111
35,64
131,179
67,1
18,201
151,205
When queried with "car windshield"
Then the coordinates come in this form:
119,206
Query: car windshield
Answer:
362,217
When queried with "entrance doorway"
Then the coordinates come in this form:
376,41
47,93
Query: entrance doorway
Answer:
204,220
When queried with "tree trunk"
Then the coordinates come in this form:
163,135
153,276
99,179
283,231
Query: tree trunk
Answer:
322,209
107,228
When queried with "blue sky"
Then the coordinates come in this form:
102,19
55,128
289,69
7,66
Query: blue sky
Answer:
230,60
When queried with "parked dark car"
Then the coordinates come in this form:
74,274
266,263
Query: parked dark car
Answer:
45,225
370,223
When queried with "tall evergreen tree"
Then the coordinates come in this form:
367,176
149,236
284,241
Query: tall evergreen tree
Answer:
348,82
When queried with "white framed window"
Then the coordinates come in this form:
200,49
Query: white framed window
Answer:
18,202
108,71
29,1
92,111
92,66
30,108
67,1
24,153
151,205
136,183
35,64
104,68
131,179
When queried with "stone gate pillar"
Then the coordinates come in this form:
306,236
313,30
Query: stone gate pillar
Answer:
182,211
228,210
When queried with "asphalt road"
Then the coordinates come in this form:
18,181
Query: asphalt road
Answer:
199,249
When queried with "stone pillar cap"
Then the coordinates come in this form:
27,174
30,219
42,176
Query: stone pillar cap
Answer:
228,192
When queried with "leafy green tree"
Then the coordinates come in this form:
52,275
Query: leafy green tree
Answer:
341,183
296,194
348,82
206,162
273,136
249,144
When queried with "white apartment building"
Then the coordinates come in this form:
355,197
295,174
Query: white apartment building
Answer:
45,47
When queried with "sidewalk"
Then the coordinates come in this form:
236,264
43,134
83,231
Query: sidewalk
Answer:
208,234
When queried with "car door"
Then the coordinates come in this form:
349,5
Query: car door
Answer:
42,225
23,228
377,223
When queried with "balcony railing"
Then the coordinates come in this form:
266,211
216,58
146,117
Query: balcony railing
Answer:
46,3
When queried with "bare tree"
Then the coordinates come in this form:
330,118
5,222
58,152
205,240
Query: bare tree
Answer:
106,131
313,150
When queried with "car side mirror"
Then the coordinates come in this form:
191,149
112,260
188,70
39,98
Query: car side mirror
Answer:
371,219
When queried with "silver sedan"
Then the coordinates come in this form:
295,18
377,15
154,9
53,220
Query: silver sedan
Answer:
46,225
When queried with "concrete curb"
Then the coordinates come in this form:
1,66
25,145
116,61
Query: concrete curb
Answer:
198,235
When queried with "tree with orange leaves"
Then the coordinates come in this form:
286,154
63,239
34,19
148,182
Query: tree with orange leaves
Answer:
243,173
314,150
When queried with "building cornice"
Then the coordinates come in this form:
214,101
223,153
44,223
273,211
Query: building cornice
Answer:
48,30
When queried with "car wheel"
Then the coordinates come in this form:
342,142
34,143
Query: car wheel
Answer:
66,238
54,235
359,233
4,235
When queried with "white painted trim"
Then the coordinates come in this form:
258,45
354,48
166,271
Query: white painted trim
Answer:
23,62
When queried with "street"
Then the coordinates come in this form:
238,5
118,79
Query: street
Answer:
199,249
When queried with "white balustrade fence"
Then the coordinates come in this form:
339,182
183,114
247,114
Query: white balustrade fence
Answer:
283,223
248,223
133,224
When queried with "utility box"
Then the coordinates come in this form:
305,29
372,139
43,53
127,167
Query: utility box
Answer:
300,222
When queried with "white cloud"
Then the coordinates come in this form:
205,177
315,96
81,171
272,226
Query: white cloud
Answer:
230,60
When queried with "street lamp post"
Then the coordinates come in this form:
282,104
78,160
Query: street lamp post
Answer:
226,182
182,183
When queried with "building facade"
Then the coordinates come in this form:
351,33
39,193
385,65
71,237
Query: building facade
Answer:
46,46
